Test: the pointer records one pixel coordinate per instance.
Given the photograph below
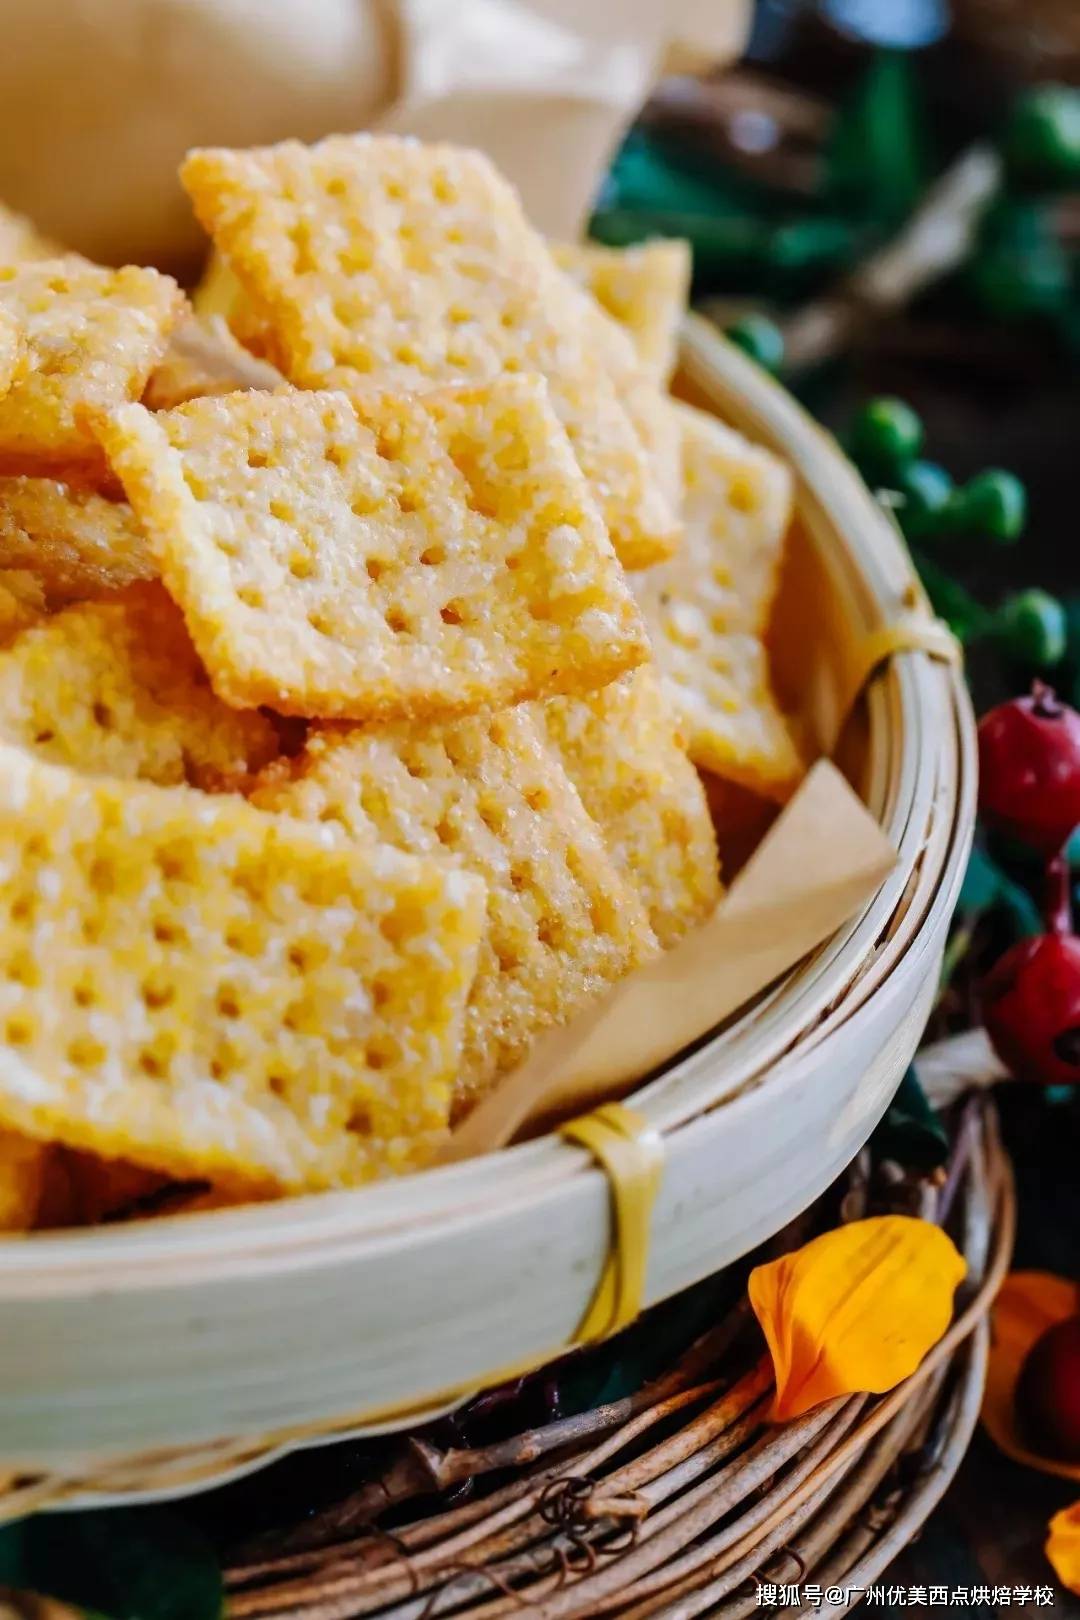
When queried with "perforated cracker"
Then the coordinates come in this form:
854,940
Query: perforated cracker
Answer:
116,688
488,795
623,752
378,257
442,554
708,607
644,287
76,543
93,336
211,991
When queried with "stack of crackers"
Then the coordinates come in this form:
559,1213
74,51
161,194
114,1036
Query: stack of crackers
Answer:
359,659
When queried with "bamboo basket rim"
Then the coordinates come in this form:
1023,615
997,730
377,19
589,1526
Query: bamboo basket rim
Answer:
920,781
871,980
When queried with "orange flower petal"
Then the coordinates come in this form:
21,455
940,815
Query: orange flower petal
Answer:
856,1309
1063,1546
1028,1304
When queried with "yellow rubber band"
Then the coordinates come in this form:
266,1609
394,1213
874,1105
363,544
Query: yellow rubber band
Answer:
914,632
632,1154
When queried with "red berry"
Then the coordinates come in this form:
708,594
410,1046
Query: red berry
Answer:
1031,1009
1029,769
1048,1392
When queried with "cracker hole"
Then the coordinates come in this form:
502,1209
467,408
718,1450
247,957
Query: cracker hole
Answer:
84,1052
22,909
408,501
151,1065
283,510
217,1069
195,484
227,1003
337,455
452,613
359,1122
18,1031
278,1084
320,621
103,715
299,958
396,621
301,565
44,736
519,878
84,995
156,996
256,457
336,187
742,495
538,798
167,933
547,932
37,847
432,556
22,969
380,992
102,875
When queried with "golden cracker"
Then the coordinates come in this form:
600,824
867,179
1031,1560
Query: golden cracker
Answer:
708,607
645,288
378,257
115,688
93,336
425,556
622,749
13,352
75,542
488,795
213,992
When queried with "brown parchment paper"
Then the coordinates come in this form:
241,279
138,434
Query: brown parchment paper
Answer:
822,860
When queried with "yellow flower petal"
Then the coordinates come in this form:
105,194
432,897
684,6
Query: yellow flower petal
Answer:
856,1309
1063,1546
1029,1303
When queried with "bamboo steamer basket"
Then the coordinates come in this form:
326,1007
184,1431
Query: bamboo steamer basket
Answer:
147,1360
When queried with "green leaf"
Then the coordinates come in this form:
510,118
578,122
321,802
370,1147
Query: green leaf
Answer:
877,158
124,1563
911,1132
987,884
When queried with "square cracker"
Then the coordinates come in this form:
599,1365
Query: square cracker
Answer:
383,558
115,688
211,991
707,609
622,750
375,256
489,796
76,543
93,336
644,288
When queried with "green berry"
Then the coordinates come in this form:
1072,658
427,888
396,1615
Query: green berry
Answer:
761,339
1033,628
993,503
926,489
886,438
1042,137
